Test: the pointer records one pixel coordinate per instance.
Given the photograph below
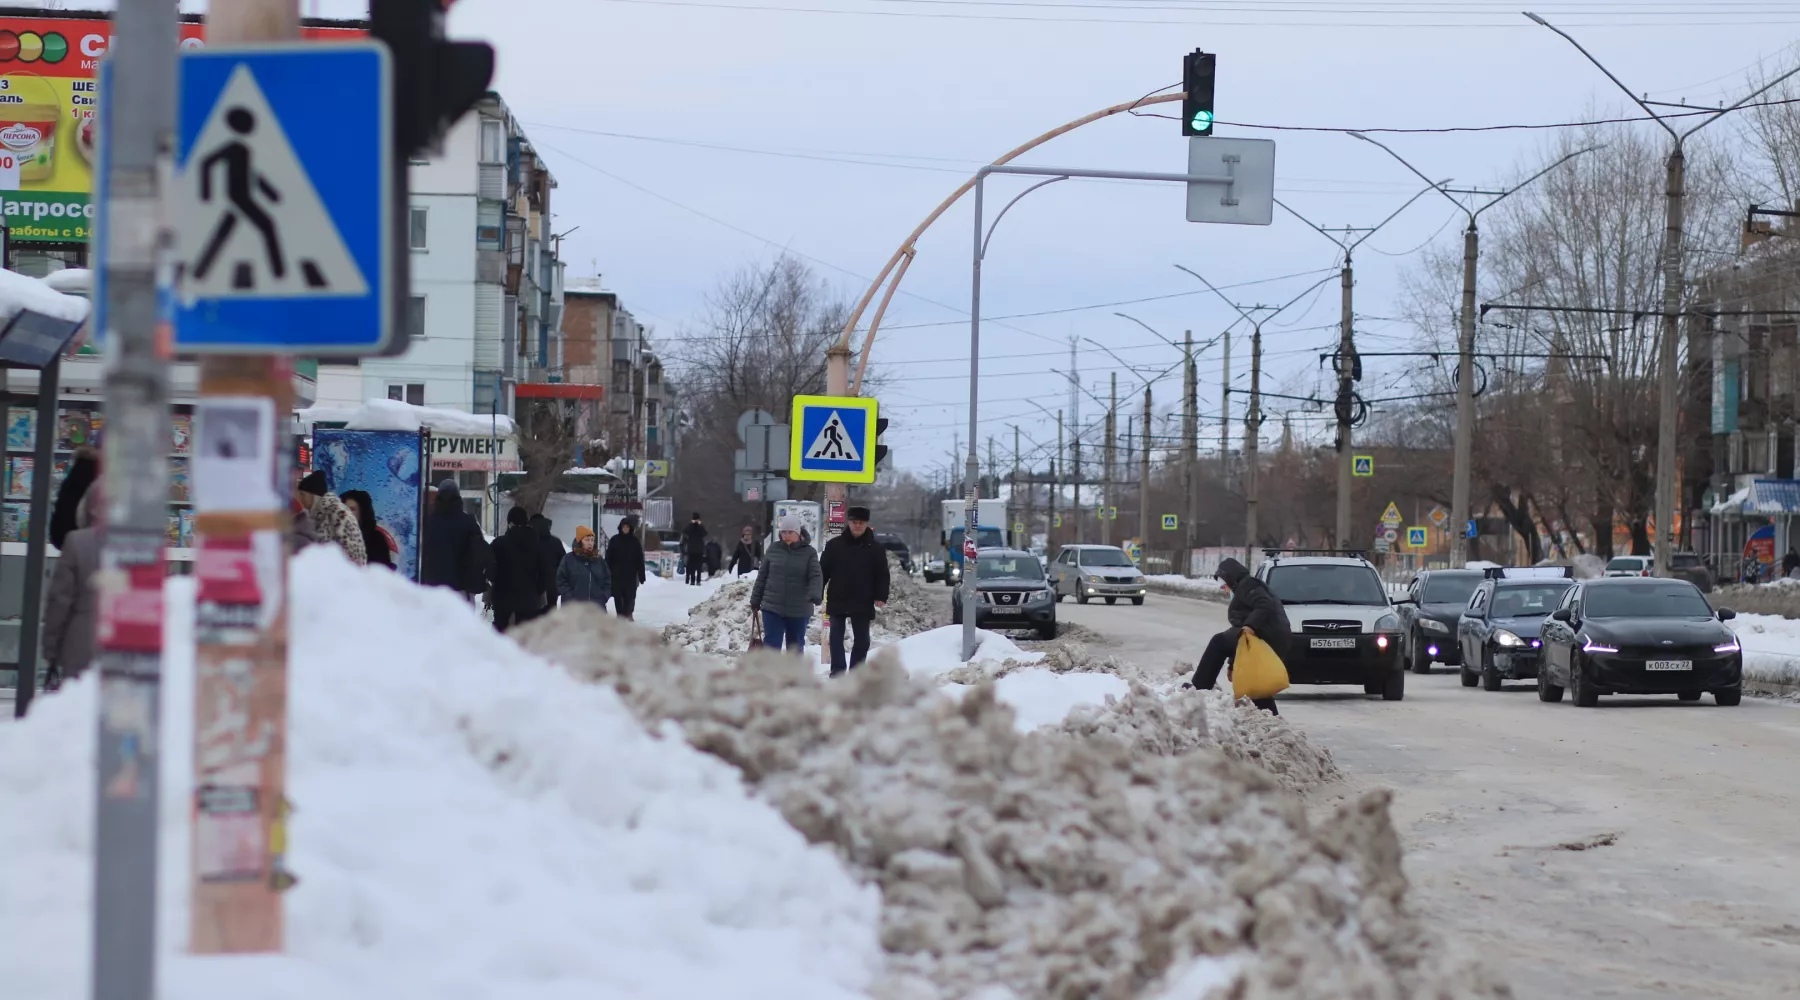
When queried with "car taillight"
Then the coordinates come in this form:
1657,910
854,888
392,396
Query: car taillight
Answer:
1643,572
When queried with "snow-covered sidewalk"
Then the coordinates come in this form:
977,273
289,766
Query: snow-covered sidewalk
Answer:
1771,652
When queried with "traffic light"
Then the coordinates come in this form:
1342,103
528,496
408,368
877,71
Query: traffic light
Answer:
435,81
1197,71
881,450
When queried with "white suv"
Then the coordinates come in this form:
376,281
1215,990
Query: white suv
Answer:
1344,628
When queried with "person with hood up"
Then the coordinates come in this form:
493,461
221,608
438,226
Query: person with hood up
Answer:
376,543
625,561
743,558
854,570
583,576
715,557
83,472
693,549
550,548
455,552
789,587
1254,608
331,520
73,607
1789,562
518,592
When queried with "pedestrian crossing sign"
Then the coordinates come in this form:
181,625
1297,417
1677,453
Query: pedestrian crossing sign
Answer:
1362,465
1416,537
283,201
833,439
1171,522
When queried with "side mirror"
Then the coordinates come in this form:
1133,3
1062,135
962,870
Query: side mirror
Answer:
1563,615
1726,614
1405,602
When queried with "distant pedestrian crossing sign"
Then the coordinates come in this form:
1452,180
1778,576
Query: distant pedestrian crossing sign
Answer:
283,202
833,439
1171,522
1416,537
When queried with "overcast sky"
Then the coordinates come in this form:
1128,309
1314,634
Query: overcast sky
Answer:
918,92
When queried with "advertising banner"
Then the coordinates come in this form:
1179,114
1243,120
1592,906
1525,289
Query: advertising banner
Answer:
390,466
49,103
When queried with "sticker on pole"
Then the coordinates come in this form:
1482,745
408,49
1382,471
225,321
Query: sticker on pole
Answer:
283,201
834,440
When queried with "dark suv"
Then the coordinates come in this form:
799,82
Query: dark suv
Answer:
1434,602
1011,593
1690,567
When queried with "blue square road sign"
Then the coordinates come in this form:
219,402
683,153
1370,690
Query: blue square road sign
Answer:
284,200
833,439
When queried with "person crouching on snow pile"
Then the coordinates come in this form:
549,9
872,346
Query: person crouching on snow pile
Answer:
789,587
332,521
1255,609
583,576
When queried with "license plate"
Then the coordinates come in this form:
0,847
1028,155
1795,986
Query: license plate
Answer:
1669,665
1003,611
1334,644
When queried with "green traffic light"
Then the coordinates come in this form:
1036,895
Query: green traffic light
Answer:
1203,121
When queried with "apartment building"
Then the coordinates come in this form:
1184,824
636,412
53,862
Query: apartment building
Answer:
602,339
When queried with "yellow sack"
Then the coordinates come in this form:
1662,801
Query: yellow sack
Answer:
1256,672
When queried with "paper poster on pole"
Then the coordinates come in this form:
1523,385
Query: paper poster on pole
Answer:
234,454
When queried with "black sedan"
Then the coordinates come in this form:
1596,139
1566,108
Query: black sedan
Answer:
1434,601
1637,635
1498,635
1011,593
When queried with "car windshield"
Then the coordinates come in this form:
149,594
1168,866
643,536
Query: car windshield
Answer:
1632,563
1450,589
1015,567
1689,561
1327,584
1661,600
1104,557
1528,602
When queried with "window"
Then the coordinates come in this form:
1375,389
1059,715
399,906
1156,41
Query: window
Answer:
493,141
1449,589
1327,583
1009,567
410,392
490,226
1670,599
415,317
1104,557
416,236
1528,602
487,392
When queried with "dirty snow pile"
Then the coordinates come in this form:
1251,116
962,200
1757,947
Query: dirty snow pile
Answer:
1771,652
721,624
1015,866
470,822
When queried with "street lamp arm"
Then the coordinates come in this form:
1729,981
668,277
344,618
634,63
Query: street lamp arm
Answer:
1311,289
1147,326
1396,213
1247,317
1402,160
1746,99
1109,353
1609,74
1309,222
1509,192
1002,213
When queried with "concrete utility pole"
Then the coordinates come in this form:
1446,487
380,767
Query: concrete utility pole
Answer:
1144,479
1252,434
1055,486
1075,418
241,916
1190,452
1668,381
1460,490
140,247
1110,496
1012,498
1225,416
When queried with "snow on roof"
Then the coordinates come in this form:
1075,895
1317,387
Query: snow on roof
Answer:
1732,504
19,293
393,415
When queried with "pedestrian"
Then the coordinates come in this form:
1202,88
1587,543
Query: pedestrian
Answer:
72,611
332,521
715,557
1790,562
83,471
551,550
456,555
518,590
1254,608
625,561
743,558
693,549
854,570
583,576
788,589
376,543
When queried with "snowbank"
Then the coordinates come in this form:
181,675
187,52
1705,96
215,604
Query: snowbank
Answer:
1771,651
394,415
470,822
20,292
1040,697
939,651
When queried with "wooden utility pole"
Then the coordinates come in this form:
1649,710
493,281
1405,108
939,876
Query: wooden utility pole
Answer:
1110,497
238,871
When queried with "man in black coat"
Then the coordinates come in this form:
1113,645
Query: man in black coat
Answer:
518,573
625,561
1254,608
693,549
455,554
551,550
855,574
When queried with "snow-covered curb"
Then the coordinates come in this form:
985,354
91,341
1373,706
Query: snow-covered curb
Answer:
1182,586
1771,653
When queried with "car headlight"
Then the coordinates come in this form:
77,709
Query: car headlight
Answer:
1730,647
1433,625
1091,578
1387,623
1504,638
1590,646
981,597
1037,595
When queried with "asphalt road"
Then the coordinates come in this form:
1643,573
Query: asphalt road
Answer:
1647,848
